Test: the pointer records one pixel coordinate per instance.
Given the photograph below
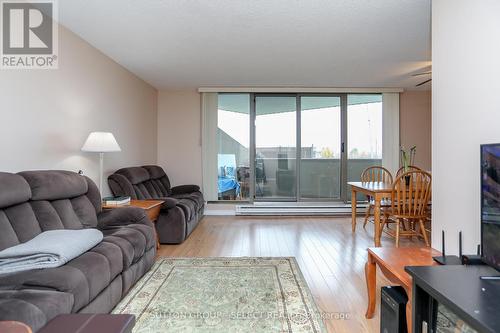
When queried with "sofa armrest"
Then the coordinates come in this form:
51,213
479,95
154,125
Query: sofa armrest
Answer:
183,189
122,216
34,307
169,203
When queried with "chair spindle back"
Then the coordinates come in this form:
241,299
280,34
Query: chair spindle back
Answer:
376,174
410,168
411,192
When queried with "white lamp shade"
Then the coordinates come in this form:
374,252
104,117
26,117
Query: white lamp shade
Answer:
101,142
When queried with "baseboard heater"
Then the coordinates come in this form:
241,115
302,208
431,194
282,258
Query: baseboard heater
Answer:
297,210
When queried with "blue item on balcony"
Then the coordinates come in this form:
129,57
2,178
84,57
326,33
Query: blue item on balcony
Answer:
226,166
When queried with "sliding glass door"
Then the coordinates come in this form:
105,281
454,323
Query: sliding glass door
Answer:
277,161
275,147
233,147
321,147
364,135
296,147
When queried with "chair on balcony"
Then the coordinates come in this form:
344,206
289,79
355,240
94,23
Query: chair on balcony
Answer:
243,175
375,174
260,176
227,183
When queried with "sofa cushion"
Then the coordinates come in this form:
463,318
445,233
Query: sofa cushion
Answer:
23,221
84,277
15,190
113,254
162,185
94,195
135,175
188,207
50,215
148,233
196,197
153,189
159,179
34,307
8,236
121,186
126,247
133,241
85,211
141,191
97,275
54,185
155,171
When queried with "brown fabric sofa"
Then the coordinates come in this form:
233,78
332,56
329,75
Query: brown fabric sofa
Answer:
184,204
36,201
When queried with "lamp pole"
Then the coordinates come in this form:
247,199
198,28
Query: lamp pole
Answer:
101,170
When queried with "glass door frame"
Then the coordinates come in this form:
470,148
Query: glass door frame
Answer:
298,146
343,142
253,145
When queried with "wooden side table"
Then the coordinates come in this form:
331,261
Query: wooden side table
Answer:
152,208
14,327
392,262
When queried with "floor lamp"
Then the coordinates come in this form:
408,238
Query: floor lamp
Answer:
101,142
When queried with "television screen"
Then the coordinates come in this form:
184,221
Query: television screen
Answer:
490,204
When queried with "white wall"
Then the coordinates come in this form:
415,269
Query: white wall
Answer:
465,112
46,115
179,136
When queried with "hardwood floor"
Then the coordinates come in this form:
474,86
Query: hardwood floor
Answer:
330,256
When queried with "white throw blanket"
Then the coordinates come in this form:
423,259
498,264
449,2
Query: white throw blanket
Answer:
49,249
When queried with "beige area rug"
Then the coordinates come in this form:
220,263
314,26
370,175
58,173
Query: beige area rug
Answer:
222,295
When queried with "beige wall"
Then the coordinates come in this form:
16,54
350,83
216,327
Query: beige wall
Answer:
415,118
46,115
465,113
179,136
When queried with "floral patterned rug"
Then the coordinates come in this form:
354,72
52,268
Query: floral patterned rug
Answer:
222,295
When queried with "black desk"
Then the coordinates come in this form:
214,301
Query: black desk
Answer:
459,288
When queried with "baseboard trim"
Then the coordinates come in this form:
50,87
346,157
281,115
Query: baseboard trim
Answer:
220,212
277,209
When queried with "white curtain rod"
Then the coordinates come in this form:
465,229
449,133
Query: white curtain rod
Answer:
297,90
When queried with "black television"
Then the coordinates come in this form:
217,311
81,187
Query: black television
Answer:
490,204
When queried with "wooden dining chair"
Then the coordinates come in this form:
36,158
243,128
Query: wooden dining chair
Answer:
410,168
375,174
411,192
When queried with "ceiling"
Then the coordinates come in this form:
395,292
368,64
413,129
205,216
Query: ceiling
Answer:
174,44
